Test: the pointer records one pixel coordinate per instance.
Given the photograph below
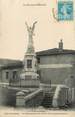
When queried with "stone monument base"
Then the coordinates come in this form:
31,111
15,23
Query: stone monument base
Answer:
30,83
29,79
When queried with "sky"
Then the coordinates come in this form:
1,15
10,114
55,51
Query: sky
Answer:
48,31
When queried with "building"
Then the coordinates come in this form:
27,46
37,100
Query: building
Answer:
10,70
56,65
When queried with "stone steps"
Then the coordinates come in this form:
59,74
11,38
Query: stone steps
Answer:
47,101
33,99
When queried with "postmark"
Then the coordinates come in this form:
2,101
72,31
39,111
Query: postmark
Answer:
65,10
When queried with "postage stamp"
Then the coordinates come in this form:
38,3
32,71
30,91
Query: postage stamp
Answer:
65,10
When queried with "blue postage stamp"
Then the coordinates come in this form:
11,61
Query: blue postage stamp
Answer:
65,10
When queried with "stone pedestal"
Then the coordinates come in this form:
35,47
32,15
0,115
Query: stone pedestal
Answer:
29,80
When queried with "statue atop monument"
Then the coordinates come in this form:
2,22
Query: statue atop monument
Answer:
31,29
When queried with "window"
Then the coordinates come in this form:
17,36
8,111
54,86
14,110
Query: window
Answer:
7,75
29,63
14,74
38,60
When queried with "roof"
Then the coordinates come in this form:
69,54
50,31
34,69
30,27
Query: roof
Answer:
55,51
10,64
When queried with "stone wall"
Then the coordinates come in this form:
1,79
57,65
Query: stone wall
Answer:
33,99
56,68
60,97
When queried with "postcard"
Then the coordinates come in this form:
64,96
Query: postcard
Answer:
37,58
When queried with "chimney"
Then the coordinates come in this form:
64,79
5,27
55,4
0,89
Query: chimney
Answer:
61,45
